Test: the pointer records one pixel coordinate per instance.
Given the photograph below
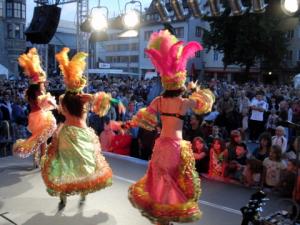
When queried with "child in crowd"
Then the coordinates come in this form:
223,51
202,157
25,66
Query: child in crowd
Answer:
272,122
201,155
254,168
236,157
288,179
217,158
279,139
272,167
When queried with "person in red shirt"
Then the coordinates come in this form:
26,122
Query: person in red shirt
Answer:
121,142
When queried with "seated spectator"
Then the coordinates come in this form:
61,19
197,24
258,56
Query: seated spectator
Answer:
121,142
287,179
194,130
201,155
236,156
216,133
217,158
106,136
254,168
272,167
272,122
263,151
279,139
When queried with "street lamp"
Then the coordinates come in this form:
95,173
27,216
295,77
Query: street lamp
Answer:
290,7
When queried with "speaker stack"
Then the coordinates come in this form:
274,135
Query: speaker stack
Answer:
43,24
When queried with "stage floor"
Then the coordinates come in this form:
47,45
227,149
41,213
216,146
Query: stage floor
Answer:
24,200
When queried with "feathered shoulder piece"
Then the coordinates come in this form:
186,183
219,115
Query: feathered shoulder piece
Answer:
72,70
31,64
169,56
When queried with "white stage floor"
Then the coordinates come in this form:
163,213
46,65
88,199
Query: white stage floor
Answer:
24,200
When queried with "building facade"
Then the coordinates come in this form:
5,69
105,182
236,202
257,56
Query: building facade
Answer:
12,38
119,53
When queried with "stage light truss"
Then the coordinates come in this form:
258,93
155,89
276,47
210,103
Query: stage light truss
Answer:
201,8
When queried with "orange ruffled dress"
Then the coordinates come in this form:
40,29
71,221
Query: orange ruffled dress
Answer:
41,124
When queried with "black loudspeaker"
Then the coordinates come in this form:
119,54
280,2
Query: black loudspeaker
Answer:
43,24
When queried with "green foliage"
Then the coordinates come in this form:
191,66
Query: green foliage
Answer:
248,39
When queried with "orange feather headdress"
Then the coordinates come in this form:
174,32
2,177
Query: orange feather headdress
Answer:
31,64
72,70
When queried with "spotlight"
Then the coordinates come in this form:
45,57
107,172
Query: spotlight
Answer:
162,11
258,6
131,19
99,18
194,7
178,10
215,8
237,7
290,7
86,26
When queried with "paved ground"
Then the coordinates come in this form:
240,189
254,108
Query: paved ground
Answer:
23,197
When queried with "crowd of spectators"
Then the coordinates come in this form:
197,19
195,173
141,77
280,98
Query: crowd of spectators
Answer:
243,116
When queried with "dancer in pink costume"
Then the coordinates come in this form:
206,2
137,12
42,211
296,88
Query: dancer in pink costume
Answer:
170,189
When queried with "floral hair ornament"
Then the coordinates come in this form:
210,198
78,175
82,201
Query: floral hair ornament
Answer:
31,64
72,70
169,56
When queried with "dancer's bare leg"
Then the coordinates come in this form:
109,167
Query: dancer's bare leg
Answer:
82,199
63,201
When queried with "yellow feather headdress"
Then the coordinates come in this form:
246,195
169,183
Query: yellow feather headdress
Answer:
31,64
72,70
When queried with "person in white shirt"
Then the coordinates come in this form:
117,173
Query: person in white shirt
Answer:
279,139
258,107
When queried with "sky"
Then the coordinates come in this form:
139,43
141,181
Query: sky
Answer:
69,10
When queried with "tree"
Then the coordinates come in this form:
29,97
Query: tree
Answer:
248,39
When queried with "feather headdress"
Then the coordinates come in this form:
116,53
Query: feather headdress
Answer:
72,70
170,56
31,64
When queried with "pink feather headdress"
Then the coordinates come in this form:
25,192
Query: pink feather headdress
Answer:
169,56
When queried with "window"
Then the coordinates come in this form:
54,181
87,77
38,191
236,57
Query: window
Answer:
147,35
179,32
216,56
9,9
23,11
198,32
10,31
17,31
1,8
17,10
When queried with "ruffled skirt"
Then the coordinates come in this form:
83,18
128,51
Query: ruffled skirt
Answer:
171,187
42,125
74,163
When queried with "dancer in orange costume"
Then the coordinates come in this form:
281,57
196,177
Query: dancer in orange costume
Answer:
74,163
171,187
41,122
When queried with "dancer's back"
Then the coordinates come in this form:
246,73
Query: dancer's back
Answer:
172,111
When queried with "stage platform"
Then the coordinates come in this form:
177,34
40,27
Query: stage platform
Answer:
24,200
